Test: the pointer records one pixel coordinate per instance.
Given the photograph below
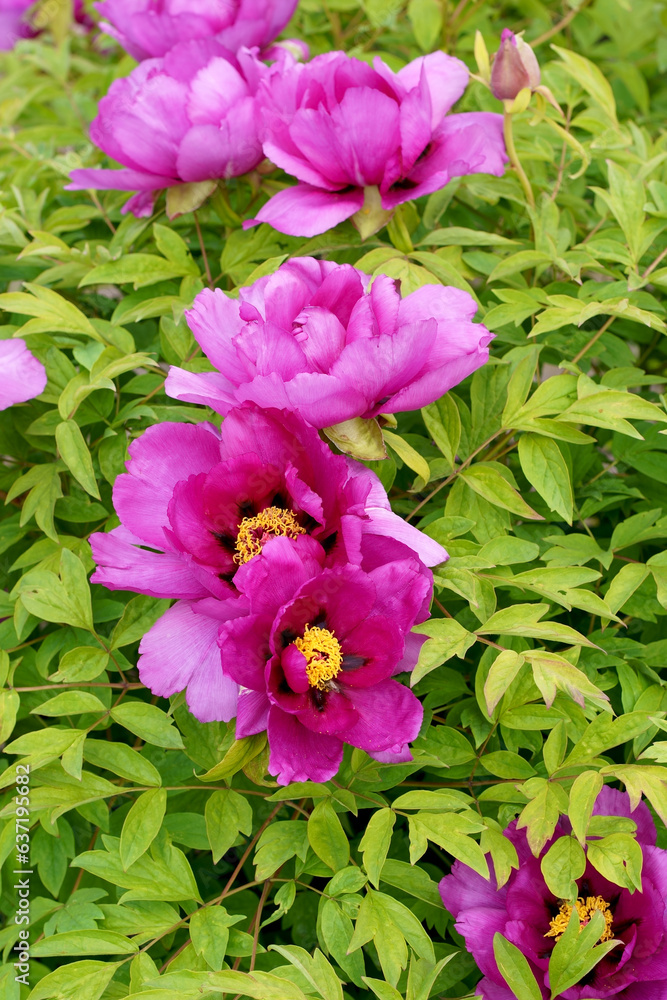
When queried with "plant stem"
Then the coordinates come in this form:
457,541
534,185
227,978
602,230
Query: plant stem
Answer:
207,268
514,158
591,343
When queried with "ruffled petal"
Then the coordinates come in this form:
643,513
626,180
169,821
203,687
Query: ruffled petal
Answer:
181,652
307,211
164,455
297,754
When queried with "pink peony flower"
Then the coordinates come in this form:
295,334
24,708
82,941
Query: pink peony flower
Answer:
15,22
148,28
189,117
361,139
22,376
515,67
318,338
528,914
196,505
315,655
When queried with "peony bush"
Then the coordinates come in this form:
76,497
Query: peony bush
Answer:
332,570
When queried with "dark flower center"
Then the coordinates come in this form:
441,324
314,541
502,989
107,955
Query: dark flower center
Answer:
586,907
324,659
255,531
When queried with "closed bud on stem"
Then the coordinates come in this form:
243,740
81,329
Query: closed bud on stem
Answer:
515,67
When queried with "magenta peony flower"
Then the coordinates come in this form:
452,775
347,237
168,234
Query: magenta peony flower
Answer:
147,28
319,338
15,21
315,655
532,918
189,117
197,504
22,376
361,140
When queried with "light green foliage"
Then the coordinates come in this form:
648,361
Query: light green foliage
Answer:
167,862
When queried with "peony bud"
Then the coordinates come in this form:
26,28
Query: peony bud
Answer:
515,67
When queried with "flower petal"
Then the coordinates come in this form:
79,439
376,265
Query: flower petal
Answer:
297,754
181,651
307,211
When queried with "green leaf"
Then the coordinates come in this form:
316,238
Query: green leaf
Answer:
452,833
524,619
227,814
280,841
408,455
83,942
76,456
121,759
562,865
575,954
137,269
149,723
506,764
382,990
142,825
374,844
9,706
553,673
426,20
182,198
85,663
70,703
161,874
139,616
327,837
515,970
446,639
588,76
237,757
502,672
362,439
545,468
618,858
75,980
209,930
487,481
443,422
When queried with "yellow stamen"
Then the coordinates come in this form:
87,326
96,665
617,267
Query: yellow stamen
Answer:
585,908
324,659
255,531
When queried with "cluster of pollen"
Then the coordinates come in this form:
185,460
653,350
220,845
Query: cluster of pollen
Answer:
585,908
255,531
324,659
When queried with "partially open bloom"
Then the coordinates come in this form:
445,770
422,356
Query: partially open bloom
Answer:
187,118
361,139
315,655
527,913
319,338
196,505
15,22
22,376
515,67
147,28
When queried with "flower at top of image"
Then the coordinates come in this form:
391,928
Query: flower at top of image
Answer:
531,917
186,118
514,68
22,376
16,23
196,505
321,339
148,28
315,656
362,139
